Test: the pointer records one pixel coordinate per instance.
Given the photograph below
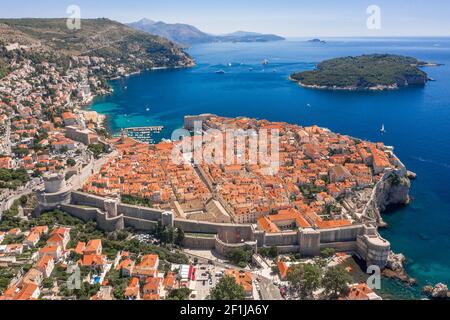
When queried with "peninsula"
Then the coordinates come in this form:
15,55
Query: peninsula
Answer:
366,72
187,35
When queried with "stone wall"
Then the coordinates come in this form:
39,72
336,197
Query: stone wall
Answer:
228,232
309,240
93,214
341,246
84,199
288,249
281,239
140,224
362,239
373,249
85,214
140,212
199,242
52,201
224,248
344,234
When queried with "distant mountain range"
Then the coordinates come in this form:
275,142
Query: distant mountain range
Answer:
186,34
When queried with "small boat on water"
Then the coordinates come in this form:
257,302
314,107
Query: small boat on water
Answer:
383,130
220,71
148,109
230,65
265,62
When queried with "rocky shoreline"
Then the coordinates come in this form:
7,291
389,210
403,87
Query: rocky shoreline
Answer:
395,269
391,87
437,292
337,88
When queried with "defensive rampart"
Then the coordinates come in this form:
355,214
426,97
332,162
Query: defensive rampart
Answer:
222,237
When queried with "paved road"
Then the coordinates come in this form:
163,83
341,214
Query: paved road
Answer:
206,260
268,290
7,203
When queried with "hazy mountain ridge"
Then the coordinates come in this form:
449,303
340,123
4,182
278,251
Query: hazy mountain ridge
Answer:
186,34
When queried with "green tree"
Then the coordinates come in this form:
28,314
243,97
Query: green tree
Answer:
227,289
71,162
335,281
240,257
23,200
327,252
179,294
179,237
167,235
271,252
304,279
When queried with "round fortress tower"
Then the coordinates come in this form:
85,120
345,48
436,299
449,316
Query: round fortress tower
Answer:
54,182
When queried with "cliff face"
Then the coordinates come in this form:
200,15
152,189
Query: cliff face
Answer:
414,80
393,189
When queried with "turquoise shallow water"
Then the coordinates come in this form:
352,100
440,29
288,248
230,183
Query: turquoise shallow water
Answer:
417,121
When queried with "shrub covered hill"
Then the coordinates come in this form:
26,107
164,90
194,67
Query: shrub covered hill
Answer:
117,43
367,72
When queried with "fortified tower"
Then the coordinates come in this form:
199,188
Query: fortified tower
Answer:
55,193
54,182
111,207
372,247
309,240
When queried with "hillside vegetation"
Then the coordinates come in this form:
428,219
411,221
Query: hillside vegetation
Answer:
377,71
97,37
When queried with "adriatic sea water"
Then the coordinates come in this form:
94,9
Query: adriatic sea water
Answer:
417,121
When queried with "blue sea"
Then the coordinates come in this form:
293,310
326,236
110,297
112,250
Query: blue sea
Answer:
417,121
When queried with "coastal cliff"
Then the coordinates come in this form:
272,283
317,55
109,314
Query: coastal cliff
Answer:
393,189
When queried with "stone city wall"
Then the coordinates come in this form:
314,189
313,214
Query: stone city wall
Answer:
84,199
140,224
340,246
49,202
143,213
92,214
281,239
343,234
361,239
199,242
224,248
230,231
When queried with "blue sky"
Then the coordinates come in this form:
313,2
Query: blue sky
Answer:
285,17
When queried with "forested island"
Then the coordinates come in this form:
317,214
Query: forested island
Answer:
366,72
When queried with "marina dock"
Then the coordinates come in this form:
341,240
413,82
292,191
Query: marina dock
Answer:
143,134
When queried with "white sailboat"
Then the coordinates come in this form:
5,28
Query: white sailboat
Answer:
383,130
